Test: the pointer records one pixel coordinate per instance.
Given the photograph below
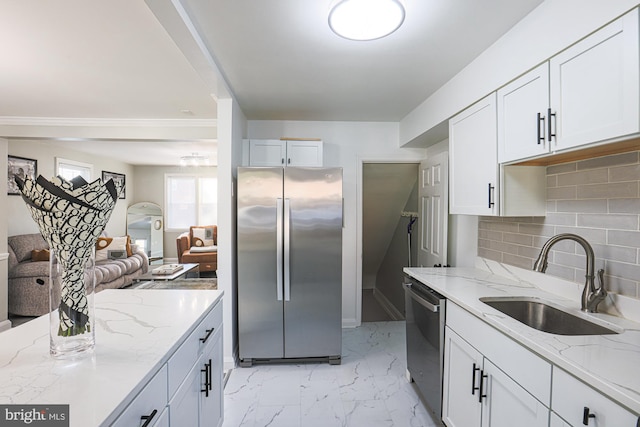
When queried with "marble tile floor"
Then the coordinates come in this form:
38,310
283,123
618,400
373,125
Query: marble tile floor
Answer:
369,388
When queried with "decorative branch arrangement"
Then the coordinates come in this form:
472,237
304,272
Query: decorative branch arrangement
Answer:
71,215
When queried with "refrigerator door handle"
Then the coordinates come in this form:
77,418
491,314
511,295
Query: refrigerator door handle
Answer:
279,252
287,252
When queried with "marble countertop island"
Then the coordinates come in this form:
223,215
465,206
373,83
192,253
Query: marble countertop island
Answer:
136,331
609,363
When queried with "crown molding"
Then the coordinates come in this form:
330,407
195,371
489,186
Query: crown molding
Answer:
98,122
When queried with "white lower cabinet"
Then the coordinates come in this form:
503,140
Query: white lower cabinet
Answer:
489,379
462,366
477,393
506,402
197,401
581,405
187,390
148,404
163,419
556,421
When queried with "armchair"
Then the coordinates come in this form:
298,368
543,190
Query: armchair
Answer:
199,245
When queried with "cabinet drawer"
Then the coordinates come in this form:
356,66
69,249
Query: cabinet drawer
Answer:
571,396
183,359
524,367
152,397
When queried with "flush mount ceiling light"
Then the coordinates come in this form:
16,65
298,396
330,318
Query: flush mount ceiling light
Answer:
194,159
366,19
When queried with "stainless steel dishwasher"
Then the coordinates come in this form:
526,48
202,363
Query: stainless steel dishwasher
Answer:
425,317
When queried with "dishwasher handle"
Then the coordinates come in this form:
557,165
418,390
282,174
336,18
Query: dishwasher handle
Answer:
420,300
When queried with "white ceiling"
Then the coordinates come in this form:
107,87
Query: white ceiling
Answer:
282,61
113,59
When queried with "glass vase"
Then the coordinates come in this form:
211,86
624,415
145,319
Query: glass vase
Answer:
71,298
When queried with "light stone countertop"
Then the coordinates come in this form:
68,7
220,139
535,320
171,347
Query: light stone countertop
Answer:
136,331
609,363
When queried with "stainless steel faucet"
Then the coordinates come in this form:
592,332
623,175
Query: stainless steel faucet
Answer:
591,296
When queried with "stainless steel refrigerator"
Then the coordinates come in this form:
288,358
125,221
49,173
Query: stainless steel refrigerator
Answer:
289,264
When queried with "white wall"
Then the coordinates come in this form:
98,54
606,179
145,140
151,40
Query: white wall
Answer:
19,219
547,30
231,132
346,145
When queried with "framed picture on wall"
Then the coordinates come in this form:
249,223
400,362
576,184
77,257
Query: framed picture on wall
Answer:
20,167
117,178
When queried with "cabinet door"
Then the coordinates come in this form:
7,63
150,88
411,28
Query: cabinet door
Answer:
571,398
211,405
184,406
473,165
163,419
462,365
556,421
595,84
304,153
267,152
507,404
522,111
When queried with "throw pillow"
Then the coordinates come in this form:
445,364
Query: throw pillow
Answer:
203,249
106,244
202,236
40,255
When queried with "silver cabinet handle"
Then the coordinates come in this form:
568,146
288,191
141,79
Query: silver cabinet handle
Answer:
279,252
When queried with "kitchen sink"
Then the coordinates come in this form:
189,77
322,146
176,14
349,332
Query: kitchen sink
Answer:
547,317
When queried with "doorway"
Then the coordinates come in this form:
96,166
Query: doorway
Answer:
389,218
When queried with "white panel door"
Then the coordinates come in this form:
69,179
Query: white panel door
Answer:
595,85
433,208
522,116
473,159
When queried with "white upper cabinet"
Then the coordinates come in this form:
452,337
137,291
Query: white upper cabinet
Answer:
595,86
522,116
586,94
473,159
267,152
276,152
478,185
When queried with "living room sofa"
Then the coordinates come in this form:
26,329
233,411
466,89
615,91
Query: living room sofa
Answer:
199,246
28,279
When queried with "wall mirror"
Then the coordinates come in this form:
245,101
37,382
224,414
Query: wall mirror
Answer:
145,226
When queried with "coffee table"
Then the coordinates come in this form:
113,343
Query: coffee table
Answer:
187,271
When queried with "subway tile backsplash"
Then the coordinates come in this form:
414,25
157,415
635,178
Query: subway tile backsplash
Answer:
598,199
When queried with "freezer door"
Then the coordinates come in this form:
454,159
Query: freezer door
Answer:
313,255
260,300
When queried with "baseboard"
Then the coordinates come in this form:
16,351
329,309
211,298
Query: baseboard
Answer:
387,306
5,325
350,323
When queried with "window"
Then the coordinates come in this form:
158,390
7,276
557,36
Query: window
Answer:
190,200
69,169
